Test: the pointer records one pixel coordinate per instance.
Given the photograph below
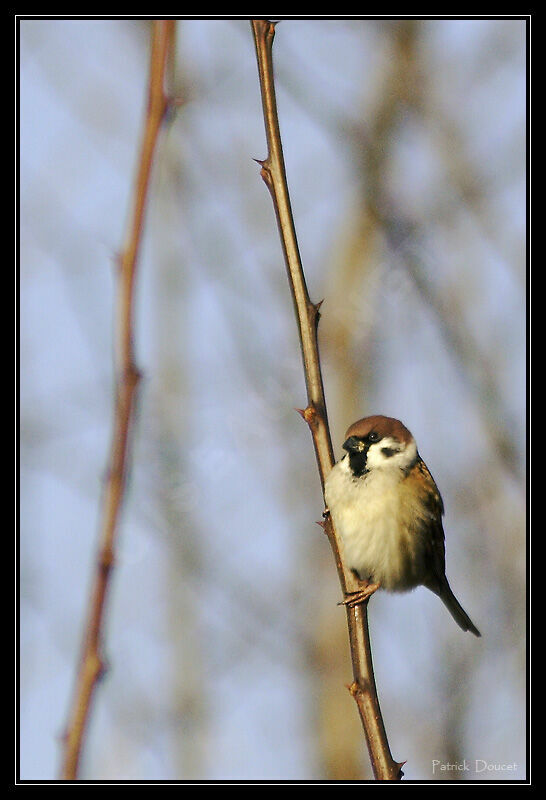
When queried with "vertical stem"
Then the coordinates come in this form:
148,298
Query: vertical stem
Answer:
127,378
307,314
273,173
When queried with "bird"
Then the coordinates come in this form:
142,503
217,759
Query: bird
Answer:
387,510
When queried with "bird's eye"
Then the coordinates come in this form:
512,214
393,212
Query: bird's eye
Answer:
373,436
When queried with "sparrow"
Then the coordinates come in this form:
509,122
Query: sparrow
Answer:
388,511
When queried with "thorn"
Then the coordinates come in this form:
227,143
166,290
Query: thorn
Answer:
316,313
309,414
104,667
301,412
317,306
320,522
117,257
106,561
176,101
265,171
172,105
62,736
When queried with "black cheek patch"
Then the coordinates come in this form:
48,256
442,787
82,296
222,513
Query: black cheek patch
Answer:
388,451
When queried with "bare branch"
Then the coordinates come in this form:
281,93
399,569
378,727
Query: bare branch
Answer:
273,173
127,379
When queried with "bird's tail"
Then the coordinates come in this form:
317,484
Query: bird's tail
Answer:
456,610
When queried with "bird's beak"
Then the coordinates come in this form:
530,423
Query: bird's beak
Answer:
353,445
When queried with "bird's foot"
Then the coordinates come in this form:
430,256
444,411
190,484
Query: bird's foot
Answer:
353,599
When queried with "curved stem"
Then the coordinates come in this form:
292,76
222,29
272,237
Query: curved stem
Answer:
273,173
127,377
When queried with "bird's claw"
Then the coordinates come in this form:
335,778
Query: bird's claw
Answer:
353,599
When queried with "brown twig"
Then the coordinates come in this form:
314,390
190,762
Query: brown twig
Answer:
273,173
127,378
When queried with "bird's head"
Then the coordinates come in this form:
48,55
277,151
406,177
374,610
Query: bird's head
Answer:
379,442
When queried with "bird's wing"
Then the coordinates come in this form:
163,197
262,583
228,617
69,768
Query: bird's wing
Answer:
433,506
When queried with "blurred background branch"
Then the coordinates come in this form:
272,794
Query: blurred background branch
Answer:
92,660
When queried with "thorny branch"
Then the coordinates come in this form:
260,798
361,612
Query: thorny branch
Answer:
127,378
363,688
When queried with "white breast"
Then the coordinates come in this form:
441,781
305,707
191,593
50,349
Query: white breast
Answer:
368,516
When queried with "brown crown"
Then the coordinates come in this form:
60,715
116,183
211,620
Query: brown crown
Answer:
385,426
